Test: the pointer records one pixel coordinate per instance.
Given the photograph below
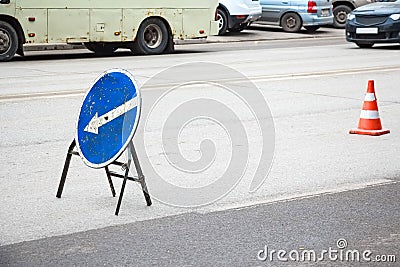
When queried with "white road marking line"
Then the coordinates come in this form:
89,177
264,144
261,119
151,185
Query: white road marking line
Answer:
262,78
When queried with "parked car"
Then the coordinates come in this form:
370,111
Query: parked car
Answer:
236,15
341,8
291,15
374,23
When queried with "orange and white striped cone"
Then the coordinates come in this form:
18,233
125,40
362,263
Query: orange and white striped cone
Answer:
370,122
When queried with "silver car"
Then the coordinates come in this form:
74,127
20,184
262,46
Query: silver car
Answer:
292,15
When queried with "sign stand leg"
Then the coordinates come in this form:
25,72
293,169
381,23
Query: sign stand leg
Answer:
110,181
140,179
140,174
66,167
121,194
132,156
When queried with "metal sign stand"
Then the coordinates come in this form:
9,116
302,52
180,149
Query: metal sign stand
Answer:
132,156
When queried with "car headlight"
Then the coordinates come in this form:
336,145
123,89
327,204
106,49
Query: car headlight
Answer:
350,16
395,16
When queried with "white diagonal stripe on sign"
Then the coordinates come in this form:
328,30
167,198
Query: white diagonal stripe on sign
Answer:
96,122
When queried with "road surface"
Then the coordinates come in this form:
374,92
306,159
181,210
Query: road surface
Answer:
324,184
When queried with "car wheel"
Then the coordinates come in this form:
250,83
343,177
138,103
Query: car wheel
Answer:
311,28
152,37
8,41
365,45
291,22
340,16
222,22
101,49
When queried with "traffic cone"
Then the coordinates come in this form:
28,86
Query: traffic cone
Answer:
370,123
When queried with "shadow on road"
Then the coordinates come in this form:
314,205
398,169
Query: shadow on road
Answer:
379,47
280,30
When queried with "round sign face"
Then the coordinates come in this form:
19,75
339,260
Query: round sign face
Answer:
108,118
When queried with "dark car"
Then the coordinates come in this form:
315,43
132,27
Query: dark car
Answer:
374,23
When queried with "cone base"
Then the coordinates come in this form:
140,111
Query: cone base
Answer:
369,132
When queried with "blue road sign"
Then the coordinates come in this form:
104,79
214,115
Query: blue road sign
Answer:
108,118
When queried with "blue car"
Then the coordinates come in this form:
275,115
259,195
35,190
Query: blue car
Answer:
292,15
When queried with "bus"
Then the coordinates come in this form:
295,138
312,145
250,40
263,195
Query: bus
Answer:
103,26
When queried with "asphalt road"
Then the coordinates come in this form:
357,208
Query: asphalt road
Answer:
324,184
366,218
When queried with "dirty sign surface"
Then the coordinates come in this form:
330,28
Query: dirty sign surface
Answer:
108,118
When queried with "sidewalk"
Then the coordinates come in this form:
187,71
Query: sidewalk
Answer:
256,32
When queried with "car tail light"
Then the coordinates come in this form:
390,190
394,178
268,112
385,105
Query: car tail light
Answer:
216,15
312,7
240,16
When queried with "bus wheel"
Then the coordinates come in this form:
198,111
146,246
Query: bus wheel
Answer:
8,41
101,49
152,37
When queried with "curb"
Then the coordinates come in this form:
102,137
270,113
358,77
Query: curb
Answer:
256,35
